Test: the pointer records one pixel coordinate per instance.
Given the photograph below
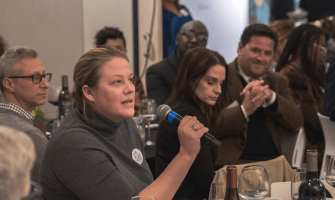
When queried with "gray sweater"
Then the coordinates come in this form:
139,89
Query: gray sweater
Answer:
94,160
21,123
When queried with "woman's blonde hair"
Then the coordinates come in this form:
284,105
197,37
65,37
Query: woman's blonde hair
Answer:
87,72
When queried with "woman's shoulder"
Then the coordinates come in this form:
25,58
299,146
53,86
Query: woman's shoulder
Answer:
183,107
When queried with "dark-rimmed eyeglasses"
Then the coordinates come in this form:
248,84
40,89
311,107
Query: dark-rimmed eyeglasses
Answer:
190,35
322,48
36,78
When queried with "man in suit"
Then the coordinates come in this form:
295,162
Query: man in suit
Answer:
24,85
160,77
258,102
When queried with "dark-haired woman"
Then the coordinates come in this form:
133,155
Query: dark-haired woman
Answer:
303,54
199,84
96,153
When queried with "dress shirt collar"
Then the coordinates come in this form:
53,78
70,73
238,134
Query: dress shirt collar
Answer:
244,76
17,109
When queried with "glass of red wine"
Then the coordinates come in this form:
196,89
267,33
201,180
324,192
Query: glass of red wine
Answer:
330,172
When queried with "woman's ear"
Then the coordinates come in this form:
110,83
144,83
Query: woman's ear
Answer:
88,93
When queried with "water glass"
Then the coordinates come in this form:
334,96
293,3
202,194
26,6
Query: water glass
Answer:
254,182
55,125
330,172
143,198
217,191
140,127
298,176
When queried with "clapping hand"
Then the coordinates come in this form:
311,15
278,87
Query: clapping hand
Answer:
254,96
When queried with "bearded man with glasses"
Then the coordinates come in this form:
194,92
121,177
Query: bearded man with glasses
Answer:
24,84
161,76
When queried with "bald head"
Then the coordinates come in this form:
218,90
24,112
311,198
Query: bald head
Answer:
191,35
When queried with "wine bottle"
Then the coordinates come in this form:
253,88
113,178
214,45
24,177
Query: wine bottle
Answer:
231,182
64,99
312,188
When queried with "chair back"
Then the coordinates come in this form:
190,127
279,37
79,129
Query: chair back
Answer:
293,146
328,128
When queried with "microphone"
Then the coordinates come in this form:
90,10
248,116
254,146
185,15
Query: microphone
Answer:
164,112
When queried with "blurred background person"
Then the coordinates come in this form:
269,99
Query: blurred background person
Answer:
114,37
3,47
318,9
279,9
303,54
17,155
161,76
283,28
201,80
328,108
97,153
174,16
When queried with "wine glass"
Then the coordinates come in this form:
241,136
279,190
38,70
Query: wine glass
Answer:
254,182
148,112
217,191
53,93
330,173
298,176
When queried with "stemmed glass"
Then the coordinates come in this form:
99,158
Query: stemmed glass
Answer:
254,182
53,93
148,112
330,173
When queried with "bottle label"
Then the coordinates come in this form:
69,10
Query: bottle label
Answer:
314,198
64,108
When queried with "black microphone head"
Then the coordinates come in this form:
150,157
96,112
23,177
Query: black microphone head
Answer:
162,111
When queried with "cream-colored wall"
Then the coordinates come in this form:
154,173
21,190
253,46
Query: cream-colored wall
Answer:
115,13
145,8
53,28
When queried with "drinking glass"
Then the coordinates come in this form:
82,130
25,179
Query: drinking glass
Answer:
53,93
254,182
139,123
148,112
330,173
217,191
298,176
143,198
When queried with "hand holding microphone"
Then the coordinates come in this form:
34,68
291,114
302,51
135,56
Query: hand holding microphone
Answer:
164,112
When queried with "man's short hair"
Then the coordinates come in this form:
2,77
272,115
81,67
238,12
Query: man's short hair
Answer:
108,33
17,155
9,60
261,30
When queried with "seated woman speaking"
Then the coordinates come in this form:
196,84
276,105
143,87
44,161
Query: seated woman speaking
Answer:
97,153
200,83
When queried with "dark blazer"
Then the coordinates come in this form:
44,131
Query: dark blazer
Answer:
160,78
328,108
231,127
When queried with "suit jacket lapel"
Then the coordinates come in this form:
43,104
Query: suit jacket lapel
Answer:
235,84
